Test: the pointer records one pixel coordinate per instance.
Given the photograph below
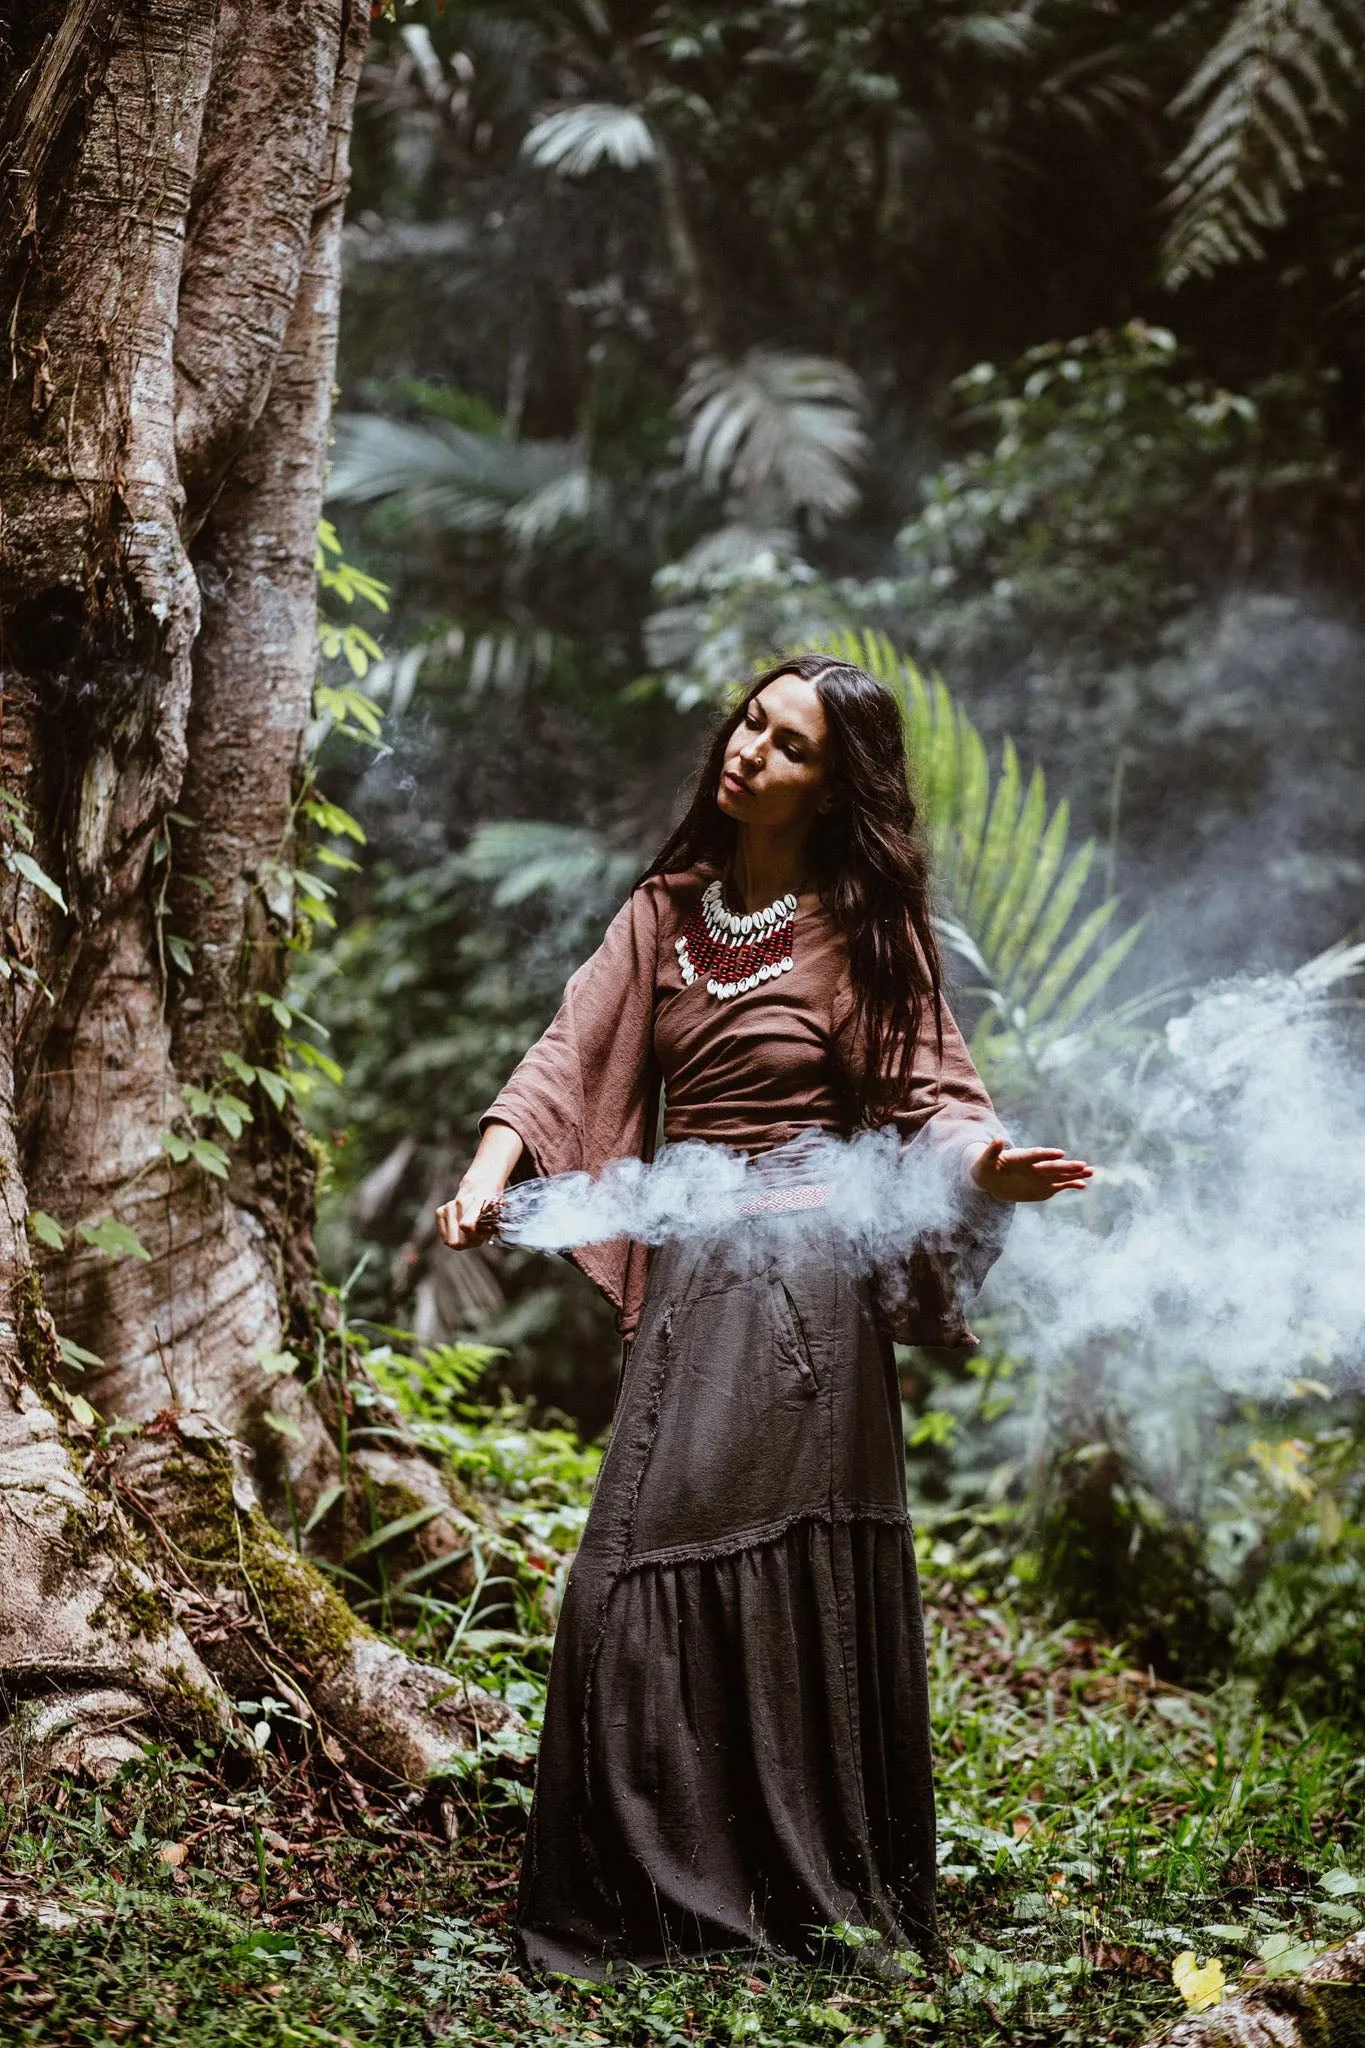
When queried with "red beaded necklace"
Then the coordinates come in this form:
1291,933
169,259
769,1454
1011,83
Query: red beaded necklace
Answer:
736,951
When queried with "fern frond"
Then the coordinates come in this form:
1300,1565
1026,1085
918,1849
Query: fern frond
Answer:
1281,72
1010,889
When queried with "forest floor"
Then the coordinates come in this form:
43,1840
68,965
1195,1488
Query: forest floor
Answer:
1095,1827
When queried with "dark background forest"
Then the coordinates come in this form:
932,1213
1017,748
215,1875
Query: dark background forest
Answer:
1029,337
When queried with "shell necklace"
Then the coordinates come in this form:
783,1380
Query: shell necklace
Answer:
736,951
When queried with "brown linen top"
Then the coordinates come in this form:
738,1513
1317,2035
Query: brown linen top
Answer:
748,1072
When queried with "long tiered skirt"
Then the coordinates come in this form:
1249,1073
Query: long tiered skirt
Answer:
736,1743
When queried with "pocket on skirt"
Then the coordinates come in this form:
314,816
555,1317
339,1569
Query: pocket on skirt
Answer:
738,1440
792,1342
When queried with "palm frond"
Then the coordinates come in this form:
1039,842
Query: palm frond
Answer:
1278,75
580,139
458,481
1010,889
777,425
504,659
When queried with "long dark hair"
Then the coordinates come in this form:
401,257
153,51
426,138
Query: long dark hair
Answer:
870,861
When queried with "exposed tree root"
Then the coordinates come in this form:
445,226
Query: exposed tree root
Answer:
1324,2008
266,1611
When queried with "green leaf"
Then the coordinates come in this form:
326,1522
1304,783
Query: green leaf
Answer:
231,1113
1053,921
1022,852
277,1361
314,1056
312,886
349,706
326,1501
76,1406
402,1526
113,1237
211,1157
75,1355
1066,962
973,793
24,864
235,1064
1050,856
197,1101
180,951
47,1229
993,867
934,1426
330,817
274,1085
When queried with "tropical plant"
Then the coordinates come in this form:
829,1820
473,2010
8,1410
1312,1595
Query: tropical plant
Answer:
579,139
1280,74
1011,890
457,481
777,428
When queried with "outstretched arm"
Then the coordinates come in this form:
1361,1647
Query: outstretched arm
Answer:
1032,1173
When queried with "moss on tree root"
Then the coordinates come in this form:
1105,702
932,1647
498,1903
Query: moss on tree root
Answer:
306,1618
131,1606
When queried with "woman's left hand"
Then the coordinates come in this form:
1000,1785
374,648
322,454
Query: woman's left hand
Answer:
1033,1173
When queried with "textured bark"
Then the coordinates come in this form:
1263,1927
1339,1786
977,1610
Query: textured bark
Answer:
276,102
171,280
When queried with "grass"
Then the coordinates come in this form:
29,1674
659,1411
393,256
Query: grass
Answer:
1095,1824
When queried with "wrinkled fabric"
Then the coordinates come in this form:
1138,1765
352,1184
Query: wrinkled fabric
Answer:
750,1072
736,1745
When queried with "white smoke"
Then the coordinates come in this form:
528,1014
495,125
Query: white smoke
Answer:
1222,1254
872,1189
1220,1251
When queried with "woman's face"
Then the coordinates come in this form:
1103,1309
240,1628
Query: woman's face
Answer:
775,773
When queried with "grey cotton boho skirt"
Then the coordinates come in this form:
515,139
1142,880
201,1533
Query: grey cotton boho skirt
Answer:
736,1745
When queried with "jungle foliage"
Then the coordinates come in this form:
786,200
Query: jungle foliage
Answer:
1019,352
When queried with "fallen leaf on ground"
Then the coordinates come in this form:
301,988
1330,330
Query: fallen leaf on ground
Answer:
1201,1985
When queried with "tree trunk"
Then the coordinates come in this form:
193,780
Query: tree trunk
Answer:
175,172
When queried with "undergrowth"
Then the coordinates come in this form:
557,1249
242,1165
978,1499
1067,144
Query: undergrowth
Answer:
1096,1824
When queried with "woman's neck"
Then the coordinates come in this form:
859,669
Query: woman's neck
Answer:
766,865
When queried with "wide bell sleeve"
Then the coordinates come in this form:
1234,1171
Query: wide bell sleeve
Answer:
587,1091
942,1111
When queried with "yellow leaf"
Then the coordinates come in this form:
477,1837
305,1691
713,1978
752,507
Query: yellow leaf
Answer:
1283,1464
1199,1984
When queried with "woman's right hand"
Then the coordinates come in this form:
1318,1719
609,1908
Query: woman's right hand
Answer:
488,1174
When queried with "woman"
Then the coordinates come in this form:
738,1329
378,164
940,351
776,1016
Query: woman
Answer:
736,1743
